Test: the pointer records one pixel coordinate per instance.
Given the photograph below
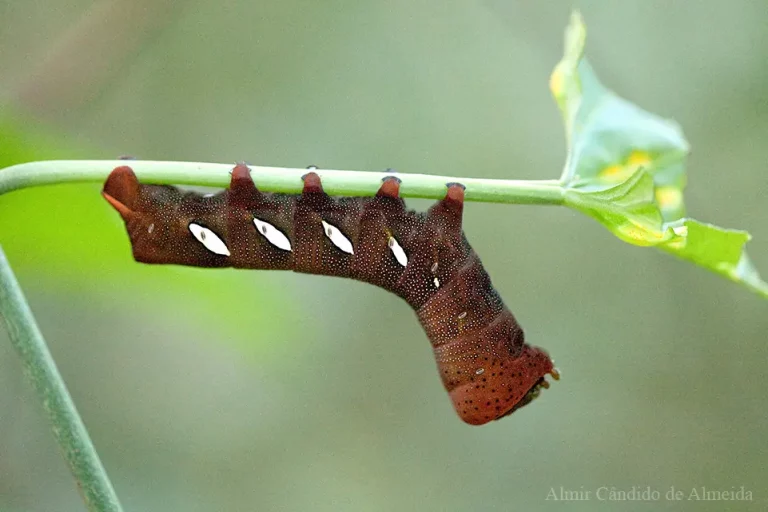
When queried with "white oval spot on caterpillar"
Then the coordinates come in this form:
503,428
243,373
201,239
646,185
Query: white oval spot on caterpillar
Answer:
398,251
339,240
434,268
437,283
151,228
272,234
209,239
209,195
463,315
479,371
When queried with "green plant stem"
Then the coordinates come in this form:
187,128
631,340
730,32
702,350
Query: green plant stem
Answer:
276,179
68,428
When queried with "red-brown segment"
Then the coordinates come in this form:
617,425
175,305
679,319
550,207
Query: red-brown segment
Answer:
382,220
439,249
245,206
484,362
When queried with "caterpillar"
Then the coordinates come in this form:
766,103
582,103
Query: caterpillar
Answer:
482,358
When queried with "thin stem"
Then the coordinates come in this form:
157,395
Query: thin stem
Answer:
276,179
68,428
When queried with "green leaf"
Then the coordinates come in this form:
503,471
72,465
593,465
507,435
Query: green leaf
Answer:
628,210
718,249
609,138
625,167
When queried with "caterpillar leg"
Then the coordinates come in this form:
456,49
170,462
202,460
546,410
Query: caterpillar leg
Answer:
390,187
312,184
241,184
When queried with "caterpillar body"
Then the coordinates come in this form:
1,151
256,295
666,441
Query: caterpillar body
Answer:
484,363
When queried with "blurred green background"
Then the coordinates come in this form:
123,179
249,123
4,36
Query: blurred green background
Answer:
241,390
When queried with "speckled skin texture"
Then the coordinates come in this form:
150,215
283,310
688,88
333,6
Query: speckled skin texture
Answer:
483,360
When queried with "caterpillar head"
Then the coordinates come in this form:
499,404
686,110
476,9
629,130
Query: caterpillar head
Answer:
499,386
491,372
532,368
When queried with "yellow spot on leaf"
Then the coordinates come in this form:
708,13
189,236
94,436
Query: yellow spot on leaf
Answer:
556,82
635,234
638,158
669,197
616,173
620,172
645,232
